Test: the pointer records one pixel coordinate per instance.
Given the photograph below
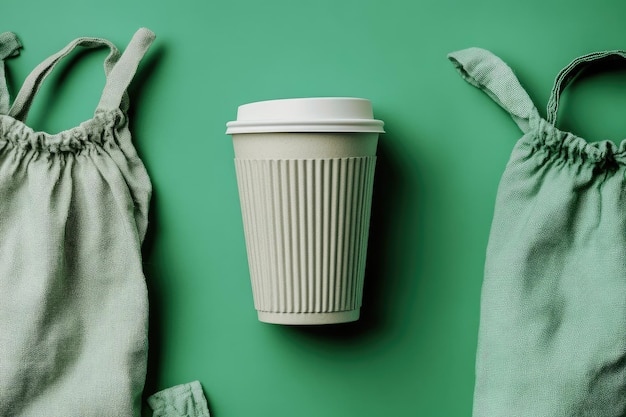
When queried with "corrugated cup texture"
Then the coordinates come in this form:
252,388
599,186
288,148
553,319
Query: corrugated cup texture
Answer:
306,223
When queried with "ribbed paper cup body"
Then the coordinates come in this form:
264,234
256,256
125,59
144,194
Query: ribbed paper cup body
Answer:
306,202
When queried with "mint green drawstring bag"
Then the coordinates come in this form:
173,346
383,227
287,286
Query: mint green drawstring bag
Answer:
73,215
552,337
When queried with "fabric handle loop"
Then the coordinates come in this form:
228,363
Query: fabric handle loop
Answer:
119,71
571,71
487,72
114,94
9,47
33,82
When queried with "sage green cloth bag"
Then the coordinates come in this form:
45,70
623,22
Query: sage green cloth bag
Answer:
73,215
552,338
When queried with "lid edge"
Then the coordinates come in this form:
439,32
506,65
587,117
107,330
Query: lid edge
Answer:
313,126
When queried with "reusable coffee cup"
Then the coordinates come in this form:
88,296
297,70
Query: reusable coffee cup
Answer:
305,173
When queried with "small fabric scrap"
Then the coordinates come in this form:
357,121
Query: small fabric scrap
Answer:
186,400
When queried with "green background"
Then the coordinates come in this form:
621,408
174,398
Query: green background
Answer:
412,352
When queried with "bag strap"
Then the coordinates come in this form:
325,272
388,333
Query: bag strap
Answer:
489,73
114,95
33,82
9,47
118,76
571,71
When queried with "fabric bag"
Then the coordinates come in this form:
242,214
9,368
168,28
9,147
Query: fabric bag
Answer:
552,338
73,215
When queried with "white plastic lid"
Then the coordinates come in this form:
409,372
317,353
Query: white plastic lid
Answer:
325,114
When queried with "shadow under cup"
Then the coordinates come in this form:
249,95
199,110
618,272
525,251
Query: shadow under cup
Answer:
305,173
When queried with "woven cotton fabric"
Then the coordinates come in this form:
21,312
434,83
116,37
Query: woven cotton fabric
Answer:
73,215
552,337
185,400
